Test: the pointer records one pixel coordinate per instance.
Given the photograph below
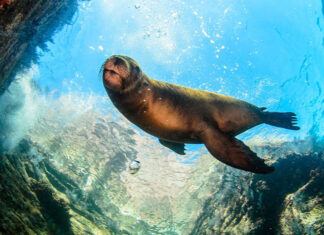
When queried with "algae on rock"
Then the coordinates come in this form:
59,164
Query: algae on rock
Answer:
24,27
80,168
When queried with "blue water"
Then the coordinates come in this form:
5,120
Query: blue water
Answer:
269,52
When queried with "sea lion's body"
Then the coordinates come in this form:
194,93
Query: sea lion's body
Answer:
178,115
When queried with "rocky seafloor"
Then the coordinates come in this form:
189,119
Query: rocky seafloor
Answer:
73,178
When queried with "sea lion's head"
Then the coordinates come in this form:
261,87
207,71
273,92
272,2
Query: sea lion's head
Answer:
120,73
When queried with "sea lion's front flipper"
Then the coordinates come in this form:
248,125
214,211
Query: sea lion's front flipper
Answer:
179,148
233,152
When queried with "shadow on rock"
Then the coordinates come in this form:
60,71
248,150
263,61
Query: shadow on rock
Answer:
54,209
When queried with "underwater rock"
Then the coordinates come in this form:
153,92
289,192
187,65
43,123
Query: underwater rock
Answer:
20,210
54,209
26,26
303,210
31,204
80,169
268,204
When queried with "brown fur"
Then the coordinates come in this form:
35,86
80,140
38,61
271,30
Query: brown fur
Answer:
184,115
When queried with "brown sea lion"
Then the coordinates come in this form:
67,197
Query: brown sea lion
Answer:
179,115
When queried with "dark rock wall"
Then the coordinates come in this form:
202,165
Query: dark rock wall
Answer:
30,203
26,25
288,201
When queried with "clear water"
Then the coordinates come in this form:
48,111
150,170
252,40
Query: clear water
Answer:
269,53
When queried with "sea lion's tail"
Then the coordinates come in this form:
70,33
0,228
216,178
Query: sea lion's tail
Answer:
284,120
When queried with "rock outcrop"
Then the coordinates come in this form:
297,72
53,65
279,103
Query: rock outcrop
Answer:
75,179
286,202
24,27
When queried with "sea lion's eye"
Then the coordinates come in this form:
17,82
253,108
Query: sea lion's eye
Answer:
138,70
108,70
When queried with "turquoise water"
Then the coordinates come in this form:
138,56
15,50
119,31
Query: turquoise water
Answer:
268,53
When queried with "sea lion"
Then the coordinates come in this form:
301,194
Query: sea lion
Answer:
178,115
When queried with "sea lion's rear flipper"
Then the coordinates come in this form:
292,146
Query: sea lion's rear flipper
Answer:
179,148
283,120
233,152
